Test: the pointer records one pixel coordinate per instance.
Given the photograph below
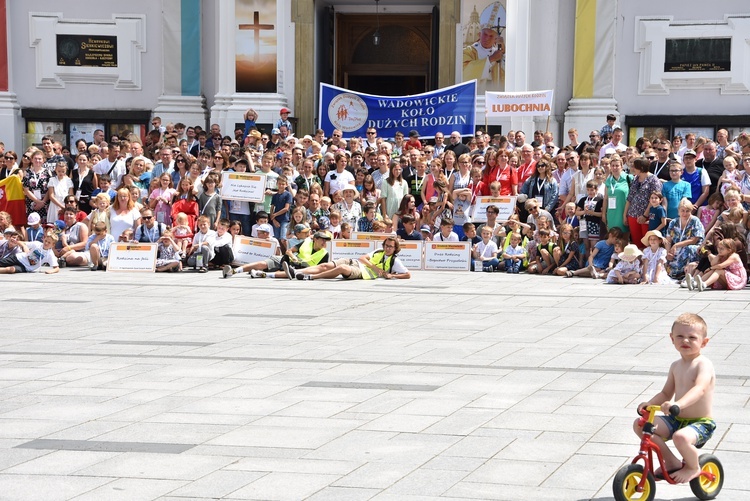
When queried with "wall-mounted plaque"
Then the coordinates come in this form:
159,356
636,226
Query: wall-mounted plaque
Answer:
87,50
697,54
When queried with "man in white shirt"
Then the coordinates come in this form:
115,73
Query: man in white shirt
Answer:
112,165
439,145
615,144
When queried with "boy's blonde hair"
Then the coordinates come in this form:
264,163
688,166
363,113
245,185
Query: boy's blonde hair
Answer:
692,320
102,197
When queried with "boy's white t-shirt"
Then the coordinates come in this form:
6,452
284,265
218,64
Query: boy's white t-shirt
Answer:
518,250
438,237
209,236
36,257
487,250
225,239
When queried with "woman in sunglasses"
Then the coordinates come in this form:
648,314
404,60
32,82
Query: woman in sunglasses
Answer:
8,162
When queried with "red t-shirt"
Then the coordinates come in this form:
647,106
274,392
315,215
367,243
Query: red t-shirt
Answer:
525,171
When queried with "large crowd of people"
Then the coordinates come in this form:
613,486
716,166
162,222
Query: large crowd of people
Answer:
663,211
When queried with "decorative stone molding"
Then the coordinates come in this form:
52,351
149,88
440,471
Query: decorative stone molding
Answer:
130,30
651,34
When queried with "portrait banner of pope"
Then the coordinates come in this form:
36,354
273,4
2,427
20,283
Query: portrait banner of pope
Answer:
483,55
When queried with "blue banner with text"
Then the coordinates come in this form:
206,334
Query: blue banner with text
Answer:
444,110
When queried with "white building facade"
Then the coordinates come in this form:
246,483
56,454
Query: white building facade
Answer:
182,60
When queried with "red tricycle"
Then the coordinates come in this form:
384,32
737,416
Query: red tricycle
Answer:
636,482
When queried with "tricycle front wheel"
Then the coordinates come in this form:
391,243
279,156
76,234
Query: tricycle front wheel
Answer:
626,481
704,486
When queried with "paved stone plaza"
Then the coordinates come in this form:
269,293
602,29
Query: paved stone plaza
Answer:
449,386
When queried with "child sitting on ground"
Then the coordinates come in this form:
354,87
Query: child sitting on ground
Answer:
485,252
544,263
690,386
514,254
619,247
168,253
32,257
182,233
202,251
726,272
600,255
630,268
98,247
446,233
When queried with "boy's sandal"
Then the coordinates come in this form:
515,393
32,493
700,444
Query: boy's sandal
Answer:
203,270
569,274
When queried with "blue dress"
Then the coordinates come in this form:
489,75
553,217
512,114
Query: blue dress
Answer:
688,254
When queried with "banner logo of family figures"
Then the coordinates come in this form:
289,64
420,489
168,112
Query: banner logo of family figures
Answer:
347,112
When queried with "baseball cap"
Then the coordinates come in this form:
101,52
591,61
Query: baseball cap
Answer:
690,152
322,234
265,227
426,228
300,228
275,131
324,223
285,110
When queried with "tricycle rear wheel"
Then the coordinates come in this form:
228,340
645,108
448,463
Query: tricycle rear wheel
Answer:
702,486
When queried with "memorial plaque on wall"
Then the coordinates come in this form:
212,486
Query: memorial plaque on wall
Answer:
697,54
87,50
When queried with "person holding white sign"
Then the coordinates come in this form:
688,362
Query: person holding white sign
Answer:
310,252
377,264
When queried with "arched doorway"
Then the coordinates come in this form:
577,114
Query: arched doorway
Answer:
400,65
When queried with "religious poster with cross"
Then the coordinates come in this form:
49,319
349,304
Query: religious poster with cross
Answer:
483,54
255,60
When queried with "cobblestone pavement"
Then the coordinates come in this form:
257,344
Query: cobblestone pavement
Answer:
449,386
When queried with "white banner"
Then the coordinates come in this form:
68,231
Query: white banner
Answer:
377,237
351,249
132,257
250,250
243,186
411,254
533,103
506,205
452,256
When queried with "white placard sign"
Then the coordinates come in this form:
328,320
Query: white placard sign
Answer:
507,206
533,103
132,257
351,249
411,254
243,186
377,237
452,256
250,250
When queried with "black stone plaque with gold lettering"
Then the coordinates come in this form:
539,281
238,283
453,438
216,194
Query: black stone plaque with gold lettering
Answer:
698,54
87,50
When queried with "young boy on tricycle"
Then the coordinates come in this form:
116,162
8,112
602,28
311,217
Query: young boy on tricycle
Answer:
690,386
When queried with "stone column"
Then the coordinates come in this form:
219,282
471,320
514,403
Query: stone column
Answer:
303,17
450,17
593,66
181,99
11,122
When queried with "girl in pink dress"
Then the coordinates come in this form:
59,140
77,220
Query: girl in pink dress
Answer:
726,271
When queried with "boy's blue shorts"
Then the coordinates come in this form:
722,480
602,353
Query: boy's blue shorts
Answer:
703,427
